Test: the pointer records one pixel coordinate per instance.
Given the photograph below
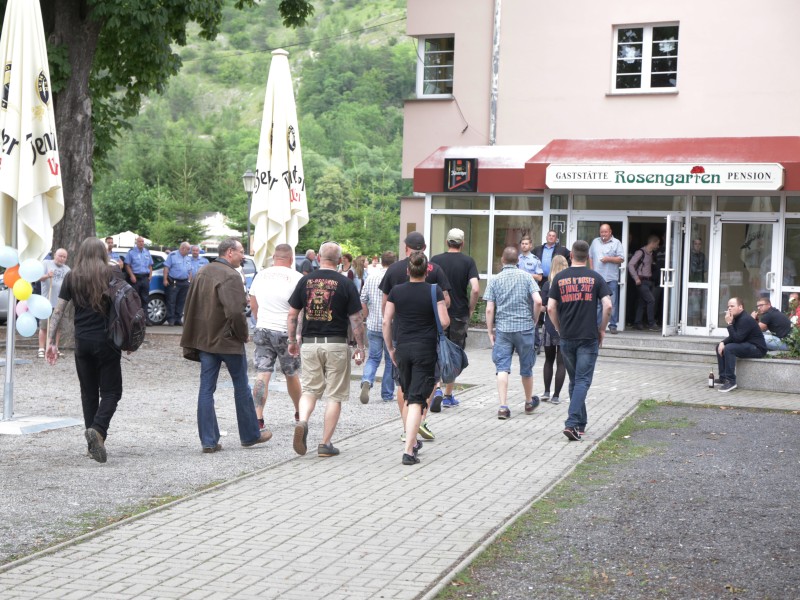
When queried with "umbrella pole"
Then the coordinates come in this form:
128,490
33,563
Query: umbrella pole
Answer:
8,387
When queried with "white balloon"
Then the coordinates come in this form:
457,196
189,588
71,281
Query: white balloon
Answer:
26,324
31,270
39,306
8,256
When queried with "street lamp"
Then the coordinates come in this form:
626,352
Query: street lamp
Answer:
249,181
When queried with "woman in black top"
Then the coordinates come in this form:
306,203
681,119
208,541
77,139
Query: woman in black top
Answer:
96,360
416,337
550,341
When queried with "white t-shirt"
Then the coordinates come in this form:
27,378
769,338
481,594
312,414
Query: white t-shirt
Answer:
272,288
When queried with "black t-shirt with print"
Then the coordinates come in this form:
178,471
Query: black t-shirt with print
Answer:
577,291
459,269
415,321
328,299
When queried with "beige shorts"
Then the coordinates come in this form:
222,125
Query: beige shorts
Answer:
326,367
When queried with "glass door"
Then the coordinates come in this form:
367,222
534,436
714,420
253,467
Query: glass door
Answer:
746,252
671,275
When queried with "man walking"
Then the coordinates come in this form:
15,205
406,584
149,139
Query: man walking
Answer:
139,267
642,270
576,294
744,340
177,275
605,257
773,323
372,307
462,273
215,332
548,251
330,302
513,304
269,302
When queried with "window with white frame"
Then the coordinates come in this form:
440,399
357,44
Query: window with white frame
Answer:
435,66
646,58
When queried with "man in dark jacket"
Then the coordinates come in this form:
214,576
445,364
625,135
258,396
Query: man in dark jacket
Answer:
215,331
744,340
546,253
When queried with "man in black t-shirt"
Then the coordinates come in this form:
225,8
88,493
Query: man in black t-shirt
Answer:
330,302
397,274
574,296
773,323
462,272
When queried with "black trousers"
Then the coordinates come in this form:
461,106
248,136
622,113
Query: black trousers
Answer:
142,287
100,376
176,299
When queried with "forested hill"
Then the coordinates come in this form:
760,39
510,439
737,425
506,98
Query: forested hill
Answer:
186,151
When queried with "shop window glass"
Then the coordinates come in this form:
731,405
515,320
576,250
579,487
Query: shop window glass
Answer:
699,250
791,253
476,232
638,202
518,202
701,203
508,230
559,223
792,204
696,311
558,202
748,204
460,202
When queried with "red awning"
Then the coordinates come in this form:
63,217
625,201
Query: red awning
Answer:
500,168
782,150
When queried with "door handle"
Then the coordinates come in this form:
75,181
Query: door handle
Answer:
770,281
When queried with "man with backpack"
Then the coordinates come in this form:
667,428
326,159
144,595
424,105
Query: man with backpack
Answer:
641,268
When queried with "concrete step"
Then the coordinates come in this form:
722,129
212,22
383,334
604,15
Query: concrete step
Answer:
679,355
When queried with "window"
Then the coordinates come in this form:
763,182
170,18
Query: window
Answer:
646,58
435,66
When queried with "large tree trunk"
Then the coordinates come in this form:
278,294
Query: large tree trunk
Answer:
68,23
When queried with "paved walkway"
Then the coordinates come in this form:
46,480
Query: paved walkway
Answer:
362,525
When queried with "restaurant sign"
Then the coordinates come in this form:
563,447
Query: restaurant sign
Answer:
675,176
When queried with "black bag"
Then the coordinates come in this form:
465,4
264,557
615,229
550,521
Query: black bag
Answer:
127,322
451,357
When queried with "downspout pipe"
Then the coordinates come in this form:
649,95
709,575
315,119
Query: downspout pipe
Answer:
495,74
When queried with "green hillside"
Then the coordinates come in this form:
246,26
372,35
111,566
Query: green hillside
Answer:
186,151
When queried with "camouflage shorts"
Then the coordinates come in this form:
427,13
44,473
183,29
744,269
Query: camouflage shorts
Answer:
271,346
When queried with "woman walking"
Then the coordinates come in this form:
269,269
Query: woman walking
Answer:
411,307
550,341
96,360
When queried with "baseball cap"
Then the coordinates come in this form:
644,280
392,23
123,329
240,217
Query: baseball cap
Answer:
415,240
455,235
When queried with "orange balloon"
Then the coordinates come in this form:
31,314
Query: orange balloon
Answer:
11,276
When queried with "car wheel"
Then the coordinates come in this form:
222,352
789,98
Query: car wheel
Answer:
156,310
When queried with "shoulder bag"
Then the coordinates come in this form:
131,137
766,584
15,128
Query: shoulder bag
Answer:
451,358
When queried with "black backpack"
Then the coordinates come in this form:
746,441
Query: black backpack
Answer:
127,321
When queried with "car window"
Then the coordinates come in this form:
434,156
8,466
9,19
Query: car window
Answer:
249,266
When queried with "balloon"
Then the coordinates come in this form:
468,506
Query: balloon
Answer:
22,290
39,306
26,324
8,256
22,307
11,276
31,270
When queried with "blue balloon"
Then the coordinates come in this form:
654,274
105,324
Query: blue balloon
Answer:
26,324
31,270
8,256
39,306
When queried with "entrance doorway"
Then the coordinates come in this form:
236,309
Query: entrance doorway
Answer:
639,229
588,228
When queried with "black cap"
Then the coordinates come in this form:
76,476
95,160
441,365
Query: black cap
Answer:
415,240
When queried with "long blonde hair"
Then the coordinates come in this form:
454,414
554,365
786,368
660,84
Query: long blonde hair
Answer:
559,264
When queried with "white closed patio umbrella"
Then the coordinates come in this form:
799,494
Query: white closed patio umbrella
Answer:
279,206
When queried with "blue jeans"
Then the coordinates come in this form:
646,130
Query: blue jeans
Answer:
503,350
579,358
774,342
245,409
726,363
613,286
377,349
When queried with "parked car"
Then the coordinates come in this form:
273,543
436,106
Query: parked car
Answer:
157,303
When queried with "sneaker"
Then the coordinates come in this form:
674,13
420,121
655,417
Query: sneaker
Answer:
261,425
728,387
544,396
450,401
327,450
436,403
417,447
719,382
504,413
213,449
532,405
300,435
612,330
364,397
265,436
97,446
41,353
572,434
410,459
581,432
653,327
555,400
425,431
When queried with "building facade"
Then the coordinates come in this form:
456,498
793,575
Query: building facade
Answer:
680,119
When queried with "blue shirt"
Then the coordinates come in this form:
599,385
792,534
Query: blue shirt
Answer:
195,264
512,291
114,257
140,261
178,265
547,258
530,264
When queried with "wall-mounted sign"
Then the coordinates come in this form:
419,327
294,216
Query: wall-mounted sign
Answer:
677,176
461,174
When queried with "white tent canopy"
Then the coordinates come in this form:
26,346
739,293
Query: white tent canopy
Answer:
127,239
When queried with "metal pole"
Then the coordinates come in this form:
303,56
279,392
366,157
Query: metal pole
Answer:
249,198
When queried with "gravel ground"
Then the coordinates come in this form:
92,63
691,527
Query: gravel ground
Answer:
51,490
706,512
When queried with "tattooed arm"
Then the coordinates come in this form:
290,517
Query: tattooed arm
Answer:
55,321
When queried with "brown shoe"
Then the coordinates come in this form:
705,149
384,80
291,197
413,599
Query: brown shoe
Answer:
300,435
216,448
265,436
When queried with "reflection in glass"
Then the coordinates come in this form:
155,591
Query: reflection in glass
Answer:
698,256
476,232
518,202
748,204
696,312
460,202
791,253
744,250
508,230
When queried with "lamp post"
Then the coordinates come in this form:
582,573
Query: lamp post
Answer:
249,181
